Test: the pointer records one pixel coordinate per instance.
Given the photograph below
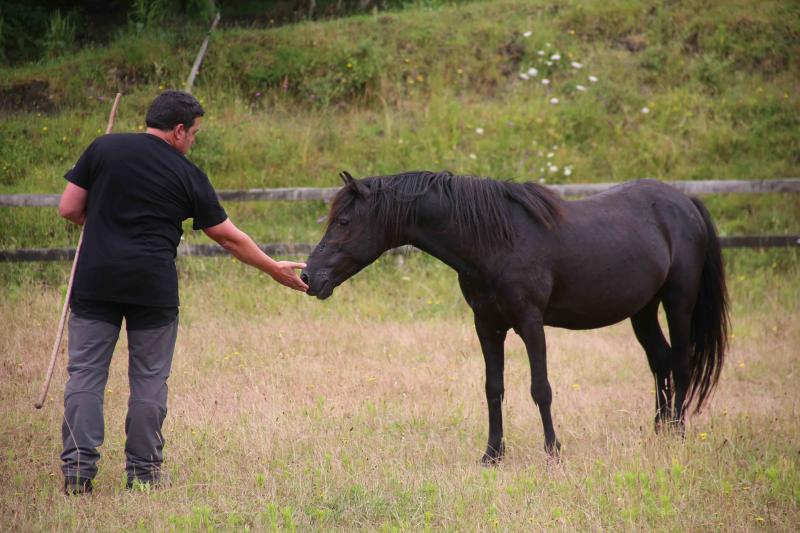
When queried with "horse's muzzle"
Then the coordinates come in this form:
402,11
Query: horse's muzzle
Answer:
320,285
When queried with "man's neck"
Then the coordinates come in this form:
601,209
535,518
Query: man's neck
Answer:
165,136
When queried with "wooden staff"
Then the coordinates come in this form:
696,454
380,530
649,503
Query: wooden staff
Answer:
201,54
65,310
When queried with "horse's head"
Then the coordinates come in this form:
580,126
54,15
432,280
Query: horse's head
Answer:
352,240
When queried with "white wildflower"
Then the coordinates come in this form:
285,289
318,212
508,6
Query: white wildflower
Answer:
567,171
553,168
523,76
527,34
593,79
479,131
554,101
545,81
550,155
555,57
548,63
575,64
473,156
533,72
540,52
541,180
580,87
645,110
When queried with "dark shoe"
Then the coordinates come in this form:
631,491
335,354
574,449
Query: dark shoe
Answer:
77,485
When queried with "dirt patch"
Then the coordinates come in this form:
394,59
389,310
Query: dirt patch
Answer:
512,53
32,95
634,43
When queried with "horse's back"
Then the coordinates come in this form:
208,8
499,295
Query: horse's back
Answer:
647,207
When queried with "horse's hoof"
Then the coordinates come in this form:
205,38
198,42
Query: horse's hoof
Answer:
670,427
492,457
663,423
553,449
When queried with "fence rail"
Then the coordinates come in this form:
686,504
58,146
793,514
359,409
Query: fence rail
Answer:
281,249
784,185
577,189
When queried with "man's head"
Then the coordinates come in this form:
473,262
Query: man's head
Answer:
175,116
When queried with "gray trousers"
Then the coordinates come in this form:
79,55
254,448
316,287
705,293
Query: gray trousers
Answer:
91,344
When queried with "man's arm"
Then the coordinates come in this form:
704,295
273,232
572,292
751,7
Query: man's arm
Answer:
73,204
245,250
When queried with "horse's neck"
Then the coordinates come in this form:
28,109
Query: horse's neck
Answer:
446,247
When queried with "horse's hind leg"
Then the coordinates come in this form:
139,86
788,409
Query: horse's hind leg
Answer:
648,333
679,296
679,316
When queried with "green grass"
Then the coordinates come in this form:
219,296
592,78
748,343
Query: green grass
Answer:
366,412
381,94
292,106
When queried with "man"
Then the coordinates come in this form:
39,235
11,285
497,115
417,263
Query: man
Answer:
133,191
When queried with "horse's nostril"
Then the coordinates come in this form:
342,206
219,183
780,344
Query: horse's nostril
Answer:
304,277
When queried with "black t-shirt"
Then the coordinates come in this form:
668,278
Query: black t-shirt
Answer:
140,190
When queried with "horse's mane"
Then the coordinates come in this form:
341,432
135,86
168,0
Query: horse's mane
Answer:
477,206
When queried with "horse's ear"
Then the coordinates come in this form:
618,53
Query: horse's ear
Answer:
356,185
346,177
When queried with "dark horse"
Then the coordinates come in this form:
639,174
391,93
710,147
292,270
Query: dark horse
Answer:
527,259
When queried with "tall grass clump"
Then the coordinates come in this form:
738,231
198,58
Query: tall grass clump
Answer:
60,38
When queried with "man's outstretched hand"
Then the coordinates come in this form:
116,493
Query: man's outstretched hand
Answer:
285,274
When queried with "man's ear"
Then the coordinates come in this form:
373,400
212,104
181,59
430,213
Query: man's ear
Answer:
179,131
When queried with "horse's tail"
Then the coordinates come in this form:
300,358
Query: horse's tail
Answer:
710,321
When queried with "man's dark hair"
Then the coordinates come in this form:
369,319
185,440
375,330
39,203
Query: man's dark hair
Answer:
171,108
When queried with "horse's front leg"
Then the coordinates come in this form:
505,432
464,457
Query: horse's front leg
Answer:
492,339
531,329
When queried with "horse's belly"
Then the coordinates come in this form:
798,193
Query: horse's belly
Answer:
573,319
595,303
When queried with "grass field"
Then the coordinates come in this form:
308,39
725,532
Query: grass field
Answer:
367,412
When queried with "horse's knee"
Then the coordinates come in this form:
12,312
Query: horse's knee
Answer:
494,387
494,391
541,393
682,368
659,359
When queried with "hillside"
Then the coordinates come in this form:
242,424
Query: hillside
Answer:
572,92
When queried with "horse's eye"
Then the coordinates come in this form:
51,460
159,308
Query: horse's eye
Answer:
343,221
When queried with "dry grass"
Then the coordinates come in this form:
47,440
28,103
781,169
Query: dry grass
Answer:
293,420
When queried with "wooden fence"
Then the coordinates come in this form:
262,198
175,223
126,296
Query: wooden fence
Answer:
304,249
786,185
326,194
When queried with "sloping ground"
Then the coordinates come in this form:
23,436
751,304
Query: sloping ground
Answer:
692,90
